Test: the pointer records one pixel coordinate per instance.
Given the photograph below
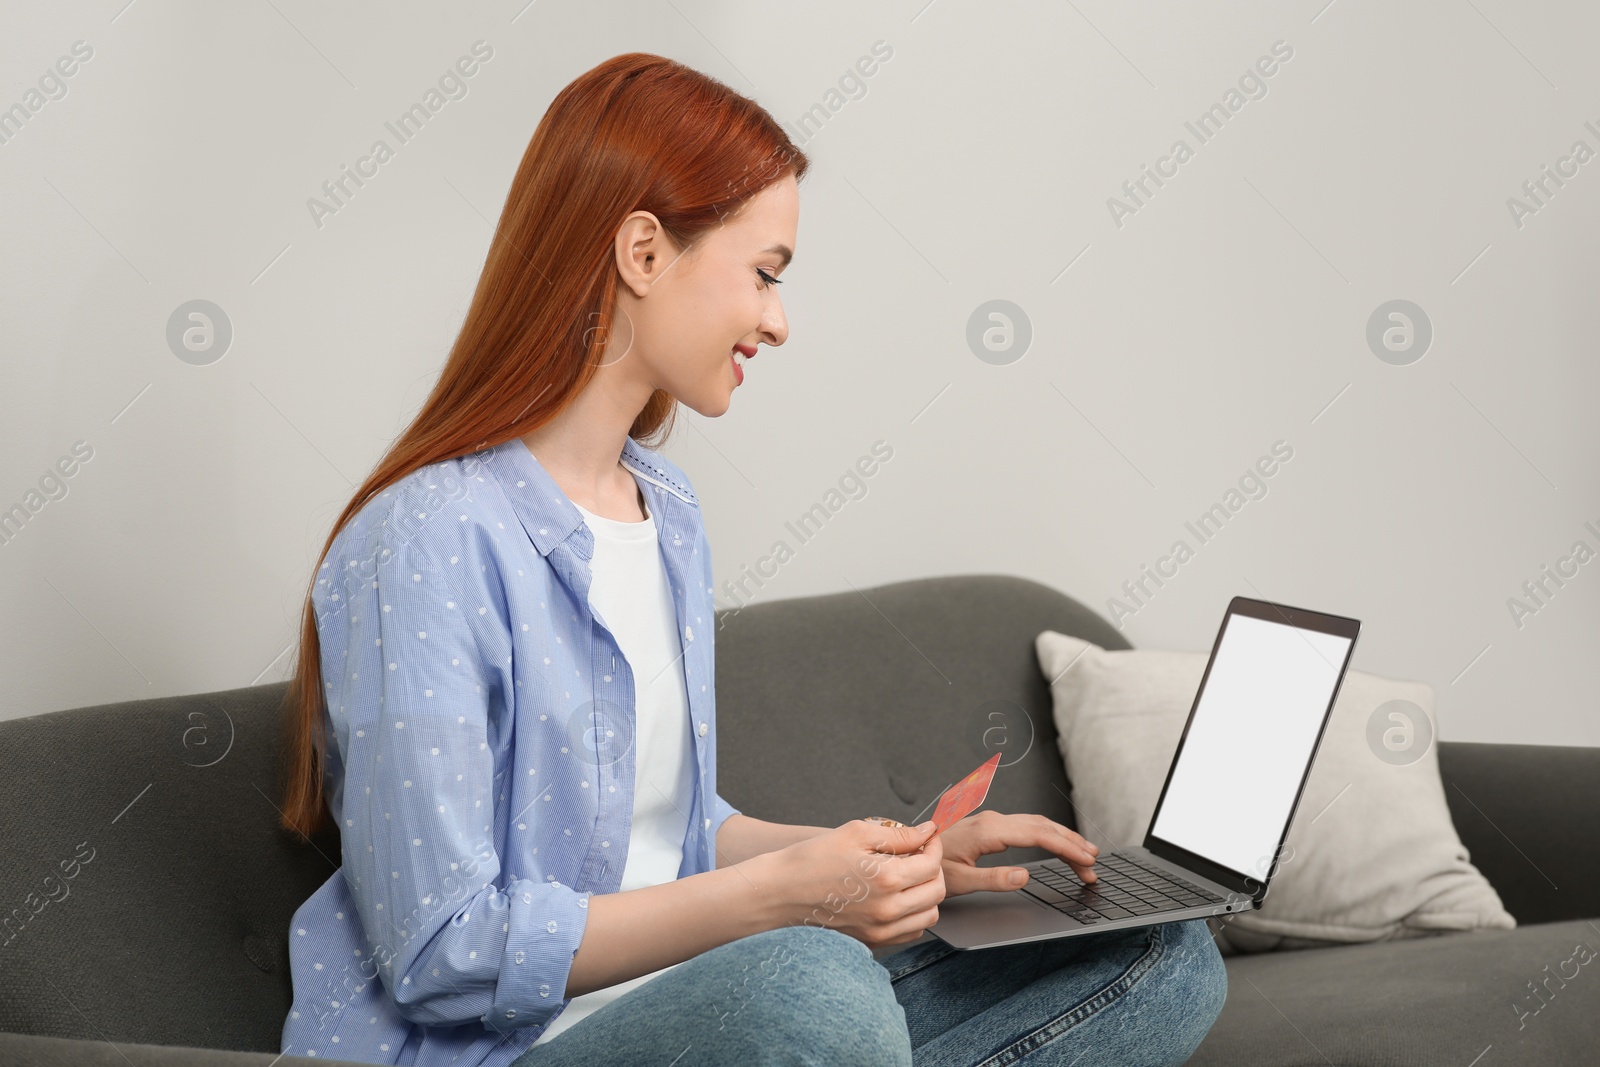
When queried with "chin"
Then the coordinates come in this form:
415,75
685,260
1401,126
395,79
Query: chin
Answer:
711,407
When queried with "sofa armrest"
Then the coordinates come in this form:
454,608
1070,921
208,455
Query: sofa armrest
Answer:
30,1050
1530,818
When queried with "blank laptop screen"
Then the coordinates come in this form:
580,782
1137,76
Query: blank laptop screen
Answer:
1249,742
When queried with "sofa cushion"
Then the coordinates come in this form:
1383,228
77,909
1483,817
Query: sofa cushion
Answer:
1529,995
1372,854
169,923
874,700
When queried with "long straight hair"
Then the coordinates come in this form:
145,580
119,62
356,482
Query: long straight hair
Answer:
637,132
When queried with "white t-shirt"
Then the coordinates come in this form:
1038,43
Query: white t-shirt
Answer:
632,597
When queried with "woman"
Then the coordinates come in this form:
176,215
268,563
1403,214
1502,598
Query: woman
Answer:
509,639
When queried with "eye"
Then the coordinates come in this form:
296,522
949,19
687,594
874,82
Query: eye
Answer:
768,281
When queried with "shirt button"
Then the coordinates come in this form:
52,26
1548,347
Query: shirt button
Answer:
511,1013
551,926
703,729
519,957
708,824
544,990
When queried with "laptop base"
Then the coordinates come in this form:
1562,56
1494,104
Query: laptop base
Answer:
1116,901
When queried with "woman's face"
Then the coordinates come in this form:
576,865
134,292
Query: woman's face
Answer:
680,314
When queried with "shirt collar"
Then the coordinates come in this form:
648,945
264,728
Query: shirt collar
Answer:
544,510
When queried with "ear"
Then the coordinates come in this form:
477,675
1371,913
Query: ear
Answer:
642,251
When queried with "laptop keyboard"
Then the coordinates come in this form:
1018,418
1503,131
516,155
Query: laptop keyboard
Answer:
1124,887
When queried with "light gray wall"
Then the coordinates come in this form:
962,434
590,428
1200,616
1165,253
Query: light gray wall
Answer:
1171,346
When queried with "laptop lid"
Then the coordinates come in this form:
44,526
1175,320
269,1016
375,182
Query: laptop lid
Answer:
1250,740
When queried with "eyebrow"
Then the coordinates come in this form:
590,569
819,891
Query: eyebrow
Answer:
783,250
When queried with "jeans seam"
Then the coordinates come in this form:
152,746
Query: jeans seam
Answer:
930,959
1102,999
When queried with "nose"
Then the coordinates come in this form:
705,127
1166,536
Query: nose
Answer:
774,325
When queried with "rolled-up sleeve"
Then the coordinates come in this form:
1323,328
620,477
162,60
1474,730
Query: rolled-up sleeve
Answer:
720,810
416,688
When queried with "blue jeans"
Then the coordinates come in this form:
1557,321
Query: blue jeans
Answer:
814,996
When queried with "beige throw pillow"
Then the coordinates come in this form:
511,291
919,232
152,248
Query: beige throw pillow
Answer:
1371,854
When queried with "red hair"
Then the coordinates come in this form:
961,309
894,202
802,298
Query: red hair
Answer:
637,132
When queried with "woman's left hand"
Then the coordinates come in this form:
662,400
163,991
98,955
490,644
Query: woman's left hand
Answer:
992,831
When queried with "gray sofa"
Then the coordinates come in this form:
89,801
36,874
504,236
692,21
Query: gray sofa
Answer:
168,942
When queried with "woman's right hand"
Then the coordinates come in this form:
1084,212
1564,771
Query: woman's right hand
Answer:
881,885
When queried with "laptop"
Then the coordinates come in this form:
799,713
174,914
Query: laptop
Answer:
1213,842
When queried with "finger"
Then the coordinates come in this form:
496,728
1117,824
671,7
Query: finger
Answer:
1068,844
1023,831
924,895
898,840
966,879
1036,831
927,863
918,867
910,927
1073,848
894,872
1077,838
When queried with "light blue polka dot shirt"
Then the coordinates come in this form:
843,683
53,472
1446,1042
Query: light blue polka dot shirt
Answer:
480,757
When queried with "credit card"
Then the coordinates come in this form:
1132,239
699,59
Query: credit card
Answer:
966,796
